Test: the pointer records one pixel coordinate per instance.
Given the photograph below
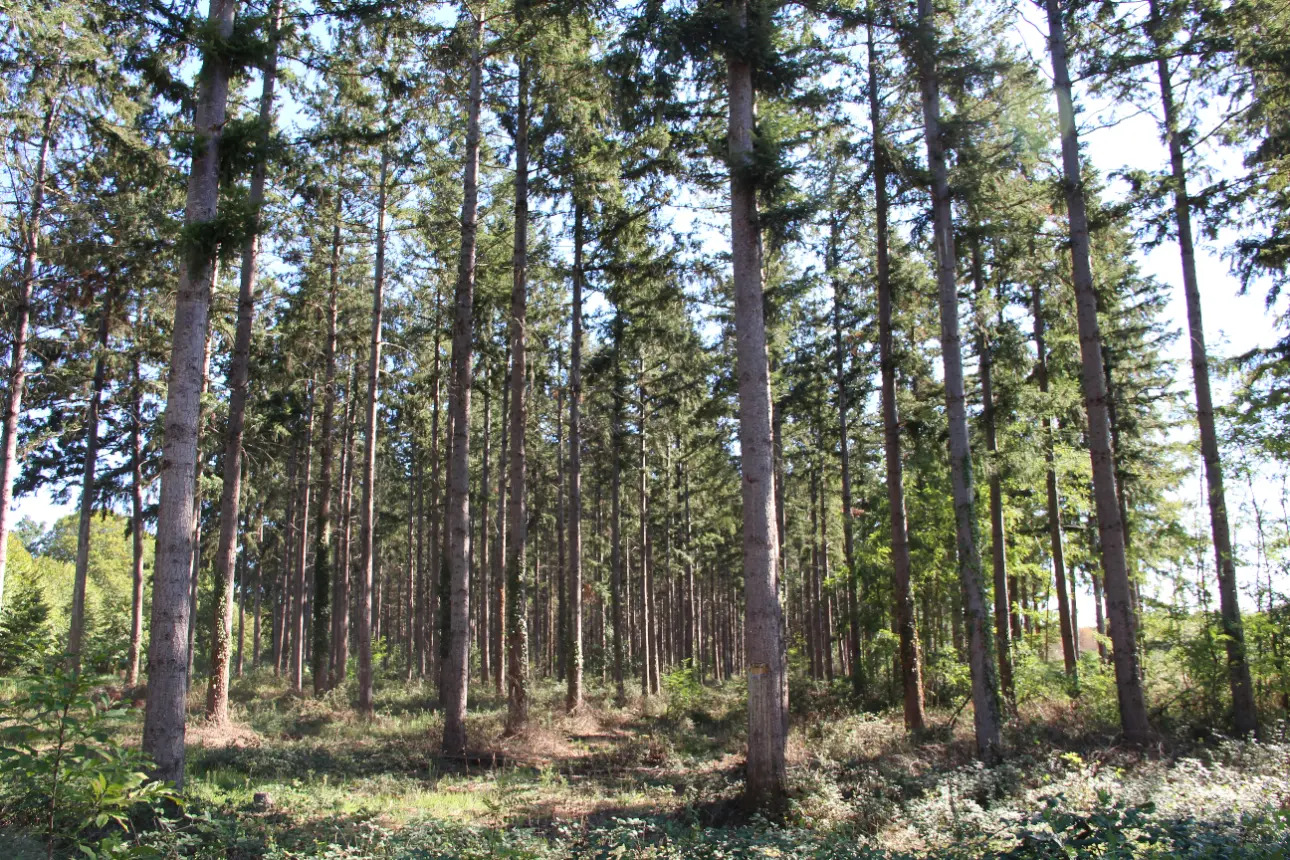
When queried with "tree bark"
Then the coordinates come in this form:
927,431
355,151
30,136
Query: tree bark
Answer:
1003,600
299,595
340,604
322,528
517,688
573,696
616,555
766,779
1245,716
136,516
21,333
985,692
456,668
911,674
1128,682
368,514
164,716
238,377
1065,603
77,631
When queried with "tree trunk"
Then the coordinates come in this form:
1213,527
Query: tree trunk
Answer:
238,377
985,692
1065,602
456,669
77,630
1128,682
499,551
368,514
616,557
136,516
766,778
858,681
1245,717
164,717
517,698
302,554
911,674
340,604
21,332
573,697
456,673
322,528
645,619
1003,600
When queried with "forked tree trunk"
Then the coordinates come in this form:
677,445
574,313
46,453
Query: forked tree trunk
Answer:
911,675
573,696
1245,716
77,632
766,778
322,528
456,669
517,687
368,514
985,691
238,377
21,332
164,717
1128,681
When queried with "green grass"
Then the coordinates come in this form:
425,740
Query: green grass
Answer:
662,779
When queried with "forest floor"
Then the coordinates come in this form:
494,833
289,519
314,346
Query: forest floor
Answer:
297,777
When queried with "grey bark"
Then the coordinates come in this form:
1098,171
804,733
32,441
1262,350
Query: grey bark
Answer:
985,692
238,377
765,779
1245,716
1128,681
911,675
456,668
164,717
368,514
77,630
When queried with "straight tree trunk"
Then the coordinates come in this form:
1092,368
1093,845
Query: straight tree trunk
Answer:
1245,716
302,555
858,681
573,696
483,594
368,514
77,631
136,516
21,332
517,688
1128,680
499,552
1065,602
766,779
238,377
1003,601
164,716
645,619
617,560
456,669
322,528
911,674
985,691
340,605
